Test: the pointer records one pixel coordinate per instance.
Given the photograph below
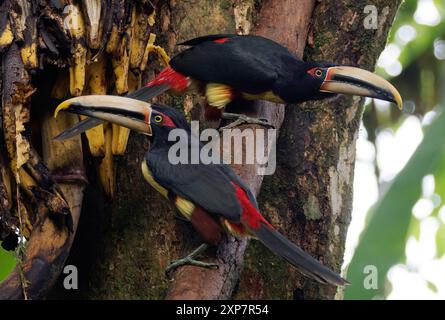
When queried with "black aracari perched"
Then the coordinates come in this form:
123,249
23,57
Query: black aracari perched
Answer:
232,67
211,196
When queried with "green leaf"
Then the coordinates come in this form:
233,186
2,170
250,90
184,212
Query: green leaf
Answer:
432,286
7,263
382,243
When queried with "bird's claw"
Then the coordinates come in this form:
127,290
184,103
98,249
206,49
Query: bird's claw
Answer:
243,119
190,260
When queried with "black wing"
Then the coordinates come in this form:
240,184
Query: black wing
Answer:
212,37
234,177
207,186
247,63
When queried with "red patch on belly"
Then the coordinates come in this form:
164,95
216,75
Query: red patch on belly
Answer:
208,228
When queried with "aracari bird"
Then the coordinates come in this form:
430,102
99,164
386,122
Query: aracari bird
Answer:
211,196
246,67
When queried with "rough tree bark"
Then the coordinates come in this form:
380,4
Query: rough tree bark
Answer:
122,247
309,198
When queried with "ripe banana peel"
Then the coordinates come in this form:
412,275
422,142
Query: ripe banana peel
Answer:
120,20
97,84
141,27
121,59
24,27
151,47
76,29
6,35
113,40
65,160
93,11
121,134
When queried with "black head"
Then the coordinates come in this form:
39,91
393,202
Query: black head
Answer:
318,80
163,120
307,79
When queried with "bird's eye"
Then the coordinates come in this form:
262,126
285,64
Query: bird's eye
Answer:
318,73
158,119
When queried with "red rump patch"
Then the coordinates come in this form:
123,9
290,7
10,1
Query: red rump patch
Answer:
207,227
175,80
222,40
250,215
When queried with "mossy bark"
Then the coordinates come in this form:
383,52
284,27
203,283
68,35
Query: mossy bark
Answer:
123,247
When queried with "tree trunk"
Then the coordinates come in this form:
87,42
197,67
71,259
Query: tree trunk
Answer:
309,198
123,246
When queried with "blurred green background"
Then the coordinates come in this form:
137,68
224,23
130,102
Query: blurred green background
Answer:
398,223
7,262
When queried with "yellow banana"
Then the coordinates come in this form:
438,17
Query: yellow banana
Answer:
119,17
151,18
121,134
151,47
6,35
121,60
97,84
25,28
113,40
76,29
138,39
65,160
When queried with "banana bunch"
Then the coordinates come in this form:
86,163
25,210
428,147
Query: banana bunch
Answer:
28,191
75,26
97,47
92,47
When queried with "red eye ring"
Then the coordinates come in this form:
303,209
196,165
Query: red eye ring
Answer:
316,72
163,120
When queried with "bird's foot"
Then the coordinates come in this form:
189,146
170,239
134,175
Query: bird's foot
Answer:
190,260
243,119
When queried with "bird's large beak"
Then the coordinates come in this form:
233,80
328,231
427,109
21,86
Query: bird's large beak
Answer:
355,81
126,112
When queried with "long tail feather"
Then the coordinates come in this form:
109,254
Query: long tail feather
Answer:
300,259
258,226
